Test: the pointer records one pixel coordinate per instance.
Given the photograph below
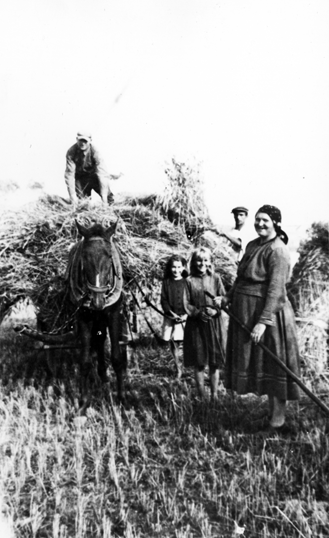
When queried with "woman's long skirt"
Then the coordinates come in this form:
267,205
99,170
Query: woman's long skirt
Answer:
248,367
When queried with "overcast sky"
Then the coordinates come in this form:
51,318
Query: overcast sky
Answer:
242,86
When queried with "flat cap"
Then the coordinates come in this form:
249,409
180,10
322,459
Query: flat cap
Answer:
84,135
240,208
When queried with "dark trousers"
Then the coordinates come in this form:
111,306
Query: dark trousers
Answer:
85,184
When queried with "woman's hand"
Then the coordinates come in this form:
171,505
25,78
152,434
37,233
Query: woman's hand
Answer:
174,316
180,319
211,312
207,313
203,316
257,332
218,301
226,301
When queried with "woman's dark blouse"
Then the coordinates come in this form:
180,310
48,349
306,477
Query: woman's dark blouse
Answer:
264,272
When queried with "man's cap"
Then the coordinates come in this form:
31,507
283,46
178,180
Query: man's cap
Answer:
240,209
84,135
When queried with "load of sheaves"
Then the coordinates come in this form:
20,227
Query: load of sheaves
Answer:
35,242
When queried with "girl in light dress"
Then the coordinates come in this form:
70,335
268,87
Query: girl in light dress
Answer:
172,294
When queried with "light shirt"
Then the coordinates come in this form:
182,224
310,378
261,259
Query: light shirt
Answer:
245,235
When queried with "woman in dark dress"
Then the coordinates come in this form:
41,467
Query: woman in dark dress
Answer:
203,333
259,300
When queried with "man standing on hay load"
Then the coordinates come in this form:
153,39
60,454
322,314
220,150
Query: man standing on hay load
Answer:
85,171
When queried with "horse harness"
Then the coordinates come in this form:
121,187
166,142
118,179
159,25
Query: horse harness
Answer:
81,293
108,290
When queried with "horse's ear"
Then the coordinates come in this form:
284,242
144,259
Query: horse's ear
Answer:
81,228
111,229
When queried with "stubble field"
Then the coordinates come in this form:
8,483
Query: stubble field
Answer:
168,465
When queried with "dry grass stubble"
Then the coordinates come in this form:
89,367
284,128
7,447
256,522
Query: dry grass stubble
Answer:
167,466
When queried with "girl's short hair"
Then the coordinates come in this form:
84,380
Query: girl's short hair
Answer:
195,255
169,264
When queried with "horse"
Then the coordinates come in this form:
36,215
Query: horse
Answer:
94,276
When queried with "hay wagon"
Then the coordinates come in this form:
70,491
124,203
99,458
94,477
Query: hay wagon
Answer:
35,243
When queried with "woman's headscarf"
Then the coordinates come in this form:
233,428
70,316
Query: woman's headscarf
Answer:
275,215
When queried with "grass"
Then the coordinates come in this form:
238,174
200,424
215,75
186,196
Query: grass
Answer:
167,466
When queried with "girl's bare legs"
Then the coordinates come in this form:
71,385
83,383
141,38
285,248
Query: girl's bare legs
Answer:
279,412
214,377
199,378
176,347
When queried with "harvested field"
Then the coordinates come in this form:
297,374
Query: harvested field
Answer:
167,466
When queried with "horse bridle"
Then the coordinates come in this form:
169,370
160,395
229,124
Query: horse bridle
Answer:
108,290
102,289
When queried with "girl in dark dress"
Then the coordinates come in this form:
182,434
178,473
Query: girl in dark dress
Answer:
203,334
259,300
172,291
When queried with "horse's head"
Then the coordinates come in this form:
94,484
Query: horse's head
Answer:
98,268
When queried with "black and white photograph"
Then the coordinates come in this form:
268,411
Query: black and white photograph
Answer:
164,269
